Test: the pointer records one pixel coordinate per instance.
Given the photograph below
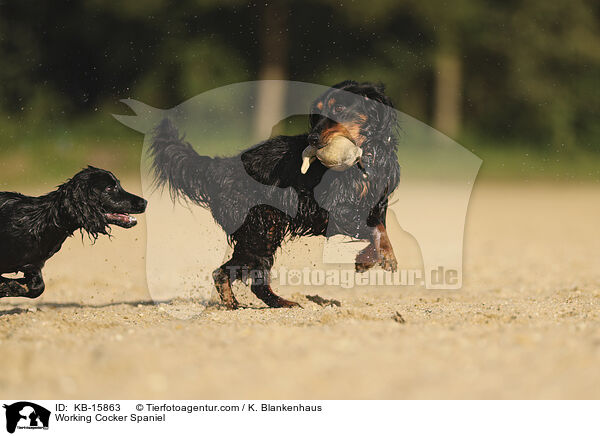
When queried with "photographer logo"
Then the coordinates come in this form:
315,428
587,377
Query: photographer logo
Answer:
24,415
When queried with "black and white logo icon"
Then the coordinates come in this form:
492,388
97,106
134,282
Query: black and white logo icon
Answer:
26,415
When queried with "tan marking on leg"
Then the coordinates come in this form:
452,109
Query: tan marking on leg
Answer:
223,285
379,251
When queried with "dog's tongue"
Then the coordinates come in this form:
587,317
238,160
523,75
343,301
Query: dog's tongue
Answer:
126,220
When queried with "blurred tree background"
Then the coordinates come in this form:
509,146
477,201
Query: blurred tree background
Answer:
517,82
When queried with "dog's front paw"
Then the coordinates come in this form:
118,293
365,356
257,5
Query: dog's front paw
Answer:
366,259
361,267
389,263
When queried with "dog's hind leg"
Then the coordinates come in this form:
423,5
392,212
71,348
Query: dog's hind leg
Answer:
258,243
12,287
222,278
261,286
30,286
271,299
255,244
247,266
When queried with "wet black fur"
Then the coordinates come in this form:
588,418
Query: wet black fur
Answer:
326,202
33,229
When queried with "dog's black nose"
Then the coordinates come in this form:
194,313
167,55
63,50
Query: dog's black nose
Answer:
142,204
313,139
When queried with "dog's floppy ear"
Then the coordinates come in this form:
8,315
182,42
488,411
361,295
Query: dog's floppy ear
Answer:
388,118
376,92
380,108
80,205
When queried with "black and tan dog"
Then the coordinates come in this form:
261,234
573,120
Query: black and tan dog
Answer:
351,202
32,229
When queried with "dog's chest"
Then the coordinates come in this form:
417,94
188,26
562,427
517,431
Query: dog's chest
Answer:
54,249
24,253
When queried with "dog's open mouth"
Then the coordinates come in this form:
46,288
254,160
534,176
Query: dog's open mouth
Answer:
121,219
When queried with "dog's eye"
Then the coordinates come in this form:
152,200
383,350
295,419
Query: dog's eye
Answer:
110,188
338,108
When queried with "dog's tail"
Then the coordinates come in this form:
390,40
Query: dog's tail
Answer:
176,164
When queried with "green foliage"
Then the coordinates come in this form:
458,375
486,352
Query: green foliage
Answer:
530,70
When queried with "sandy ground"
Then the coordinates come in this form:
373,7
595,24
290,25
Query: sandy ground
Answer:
525,325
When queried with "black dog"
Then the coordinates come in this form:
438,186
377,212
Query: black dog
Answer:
353,202
32,229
